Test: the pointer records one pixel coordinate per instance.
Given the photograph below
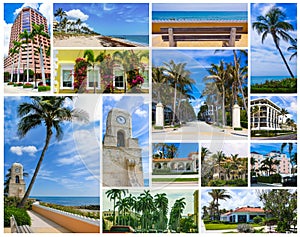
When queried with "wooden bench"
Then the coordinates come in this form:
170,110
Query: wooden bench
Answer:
18,229
227,34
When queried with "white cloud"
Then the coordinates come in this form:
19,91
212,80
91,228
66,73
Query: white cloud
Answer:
7,30
46,10
73,160
20,150
32,5
228,148
141,113
77,14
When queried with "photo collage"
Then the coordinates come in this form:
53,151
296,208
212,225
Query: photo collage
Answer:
150,117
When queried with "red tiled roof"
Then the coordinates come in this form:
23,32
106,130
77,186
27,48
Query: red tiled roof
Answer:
168,159
249,209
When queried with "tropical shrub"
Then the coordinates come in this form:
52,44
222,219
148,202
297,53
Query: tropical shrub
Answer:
18,84
245,228
27,85
10,83
43,88
257,219
20,215
80,74
274,178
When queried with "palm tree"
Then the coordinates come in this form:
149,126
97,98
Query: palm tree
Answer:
220,74
92,61
123,207
219,194
293,48
39,31
161,203
51,112
178,76
176,213
146,206
219,156
204,153
78,22
283,112
255,110
26,37
60,13
268,165
290,149
12,52
114,194
64,23
131,201
273,23
172,151
159,81
17,48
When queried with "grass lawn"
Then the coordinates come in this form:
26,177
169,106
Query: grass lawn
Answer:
222,226
175,179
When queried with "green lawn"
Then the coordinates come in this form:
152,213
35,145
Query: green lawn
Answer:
174,179
222,226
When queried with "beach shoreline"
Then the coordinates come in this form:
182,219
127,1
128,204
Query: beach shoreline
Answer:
92,41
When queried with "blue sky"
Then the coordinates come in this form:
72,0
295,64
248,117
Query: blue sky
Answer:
172,195
71,167
197,61
287,102
11,10
265,148
138,107
265,58
110,18
199,7
184,149
228,147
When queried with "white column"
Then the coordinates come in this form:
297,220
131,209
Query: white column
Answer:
268,115
159,115
236,117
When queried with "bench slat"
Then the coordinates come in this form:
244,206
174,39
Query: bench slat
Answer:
200,37
202,30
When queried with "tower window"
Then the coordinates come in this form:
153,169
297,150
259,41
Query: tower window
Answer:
17,179
120,139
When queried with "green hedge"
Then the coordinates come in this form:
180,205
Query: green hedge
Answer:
43,88
274,178
20,215
233,183
273,90
18,84
10,83
269,133
28,85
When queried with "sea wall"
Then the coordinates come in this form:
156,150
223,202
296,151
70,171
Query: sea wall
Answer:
156,25
72,222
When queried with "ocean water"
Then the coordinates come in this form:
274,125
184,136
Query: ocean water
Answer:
262,79
69,201
200,15
140,39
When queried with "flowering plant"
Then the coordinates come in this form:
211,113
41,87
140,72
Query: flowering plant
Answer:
134,78
80,73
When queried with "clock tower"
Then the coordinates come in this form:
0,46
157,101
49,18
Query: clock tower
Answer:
16,186
122,156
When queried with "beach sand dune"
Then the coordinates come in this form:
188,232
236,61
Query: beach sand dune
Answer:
90,41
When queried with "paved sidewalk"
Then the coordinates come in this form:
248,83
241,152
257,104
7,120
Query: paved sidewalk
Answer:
40,224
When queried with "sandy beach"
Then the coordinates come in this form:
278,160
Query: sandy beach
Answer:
91,41
158,42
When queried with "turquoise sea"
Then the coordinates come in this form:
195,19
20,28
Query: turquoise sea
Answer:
69,201
262,79
200,15
140,39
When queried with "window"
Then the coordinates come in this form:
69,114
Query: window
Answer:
17,179
120,139
119,78
93,78
67,77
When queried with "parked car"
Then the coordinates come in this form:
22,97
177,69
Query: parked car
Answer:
289,181
121,229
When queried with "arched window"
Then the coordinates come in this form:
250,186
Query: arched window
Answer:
17,179
120,139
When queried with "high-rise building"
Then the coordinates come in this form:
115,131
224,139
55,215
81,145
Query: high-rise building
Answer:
24,21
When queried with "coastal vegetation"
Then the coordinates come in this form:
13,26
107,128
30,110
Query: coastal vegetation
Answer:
287,85
146,213
219,170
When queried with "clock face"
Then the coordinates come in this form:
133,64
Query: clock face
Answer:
17,170
121,120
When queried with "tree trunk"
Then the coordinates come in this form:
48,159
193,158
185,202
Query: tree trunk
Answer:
12,70
282,56
48,137
174,104
27,65
19,62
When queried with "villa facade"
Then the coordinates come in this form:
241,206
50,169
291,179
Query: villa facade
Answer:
24,21
267,115
284,167
94,79
243,214
189,164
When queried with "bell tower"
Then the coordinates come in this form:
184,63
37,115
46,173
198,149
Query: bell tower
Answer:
122,156
16,183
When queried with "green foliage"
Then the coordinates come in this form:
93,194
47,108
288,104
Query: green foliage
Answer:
18,84
257,219
233,183
287,85
44,88
270,133
20,215
158,127
14,201
27,85
217,183
245,228
70,209
282,227
238,129
10,83
274,178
